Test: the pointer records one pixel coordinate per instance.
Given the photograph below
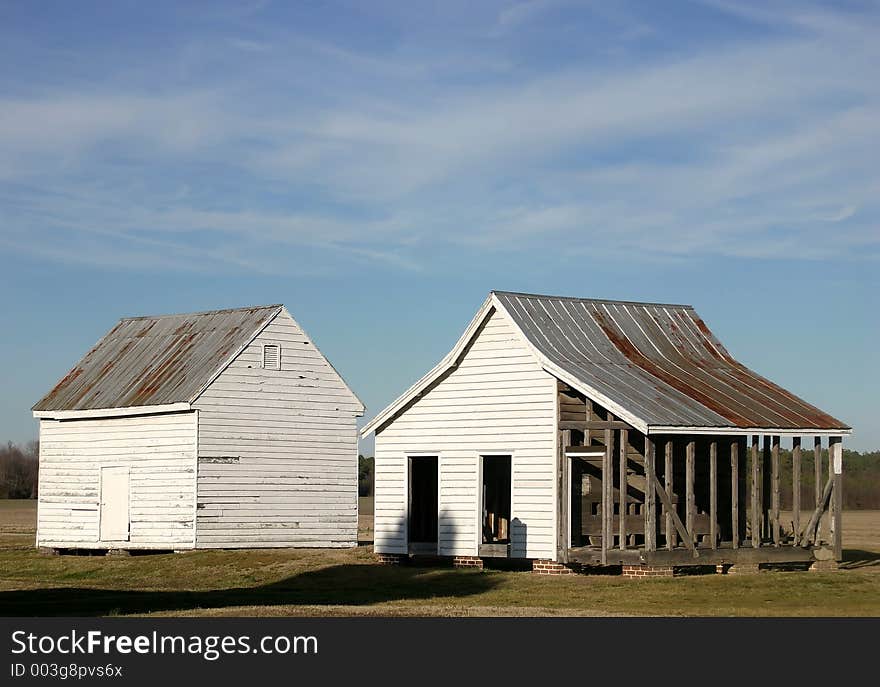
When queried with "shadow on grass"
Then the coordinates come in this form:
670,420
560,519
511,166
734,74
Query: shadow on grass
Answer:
354,585
856,558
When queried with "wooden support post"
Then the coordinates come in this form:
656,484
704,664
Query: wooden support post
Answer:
774,506
796,485
713,494
667,478
624,443
835,459
690,496
734,490
650,503
817,466
766,490
756,495
607,494
812,528
563,536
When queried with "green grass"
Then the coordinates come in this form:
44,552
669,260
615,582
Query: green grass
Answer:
348,582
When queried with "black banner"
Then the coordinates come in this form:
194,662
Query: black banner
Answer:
402,651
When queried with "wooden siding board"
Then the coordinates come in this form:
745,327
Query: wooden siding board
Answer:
162,479
292,434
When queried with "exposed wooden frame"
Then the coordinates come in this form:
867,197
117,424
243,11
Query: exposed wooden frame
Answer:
690,496
796,485
622,491
774,506
766,490
596,425
682,531
756,495
734,491
650,503
713,494
607,494
671,541
835,461
811,531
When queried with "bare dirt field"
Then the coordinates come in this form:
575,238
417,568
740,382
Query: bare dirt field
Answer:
349,582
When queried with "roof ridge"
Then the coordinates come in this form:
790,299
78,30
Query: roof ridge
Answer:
202,312
591,300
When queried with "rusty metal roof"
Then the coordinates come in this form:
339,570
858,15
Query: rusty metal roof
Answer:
146,361
658,361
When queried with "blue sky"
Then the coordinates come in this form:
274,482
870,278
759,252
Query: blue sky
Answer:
379,167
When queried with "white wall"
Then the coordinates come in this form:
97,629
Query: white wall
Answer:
498,400
278,449
160,451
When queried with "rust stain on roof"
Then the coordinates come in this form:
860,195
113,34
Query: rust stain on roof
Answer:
158,360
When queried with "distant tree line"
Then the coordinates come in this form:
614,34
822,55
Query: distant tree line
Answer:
861,484
18,470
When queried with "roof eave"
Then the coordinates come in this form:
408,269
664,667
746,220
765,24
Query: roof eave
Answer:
111,412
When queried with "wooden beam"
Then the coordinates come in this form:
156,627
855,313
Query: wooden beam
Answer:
766,490
817,466
587,425
713,494
774,507
796,485
624,443
650,504
564,505
756,495
835,458
811,531
690,496
668,477
675,519
607,494
734,491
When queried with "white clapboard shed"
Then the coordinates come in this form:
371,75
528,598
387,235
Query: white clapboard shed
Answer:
576,431
219,429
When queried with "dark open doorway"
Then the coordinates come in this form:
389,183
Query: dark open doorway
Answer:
423,504
496,500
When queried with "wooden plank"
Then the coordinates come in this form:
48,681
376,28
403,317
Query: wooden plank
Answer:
607,498
624,442
671,542
796,485
734,490
817,465
682,531
587,425
835,458
650,504
766,490
774,507
726,554
756,495
690,496
564,504
713,494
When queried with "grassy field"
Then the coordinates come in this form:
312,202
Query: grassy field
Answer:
348,582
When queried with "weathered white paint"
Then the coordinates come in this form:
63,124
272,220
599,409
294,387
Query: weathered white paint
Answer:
277,449
495,400
112,412
159,454
114,517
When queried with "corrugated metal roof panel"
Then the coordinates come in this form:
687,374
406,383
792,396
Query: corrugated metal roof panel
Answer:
146,361
658,361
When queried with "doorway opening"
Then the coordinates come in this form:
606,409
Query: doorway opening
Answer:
495,523
422,526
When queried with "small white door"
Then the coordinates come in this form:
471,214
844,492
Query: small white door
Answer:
114,504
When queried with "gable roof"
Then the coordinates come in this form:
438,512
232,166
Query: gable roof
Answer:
157,360
657,366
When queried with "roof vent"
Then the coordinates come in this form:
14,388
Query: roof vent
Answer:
271,357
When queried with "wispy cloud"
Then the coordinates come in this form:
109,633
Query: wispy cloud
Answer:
758,144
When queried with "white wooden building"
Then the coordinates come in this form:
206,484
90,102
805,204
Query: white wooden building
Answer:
218,429
537,437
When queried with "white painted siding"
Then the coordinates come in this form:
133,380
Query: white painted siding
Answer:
498,400
278,449
160,452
